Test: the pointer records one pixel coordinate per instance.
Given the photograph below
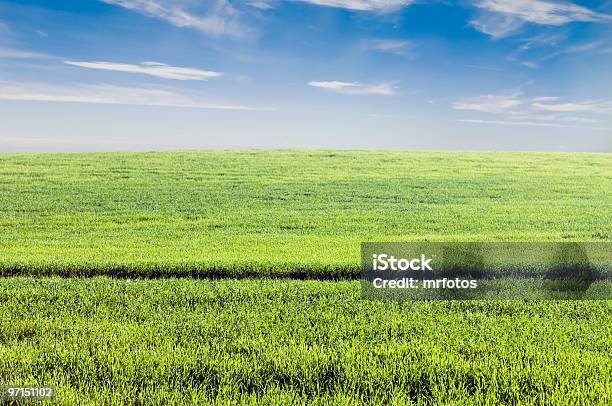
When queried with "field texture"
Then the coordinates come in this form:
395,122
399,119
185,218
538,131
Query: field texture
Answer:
114,339
282,342
300,214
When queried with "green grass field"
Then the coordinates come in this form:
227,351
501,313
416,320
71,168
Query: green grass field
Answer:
278,212
114,339
284,342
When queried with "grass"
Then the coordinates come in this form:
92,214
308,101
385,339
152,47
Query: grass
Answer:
184,341
288,213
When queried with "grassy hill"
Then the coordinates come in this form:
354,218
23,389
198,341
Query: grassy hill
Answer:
294,213
115,339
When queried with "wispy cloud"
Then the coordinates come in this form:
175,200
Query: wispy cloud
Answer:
496,25
557,118
109,94
356,88
9,53
156,69
490,103
362,5
543,12
389,46
546,111
544,40
220,18
588,46
543,47
261,4
500,18
590,107
528,53
524,123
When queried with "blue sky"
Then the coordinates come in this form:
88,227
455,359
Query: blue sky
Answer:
377,74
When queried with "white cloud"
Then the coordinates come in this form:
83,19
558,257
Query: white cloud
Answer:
109,94
592,107
530,64
390,46
546,98
524,123
541,48
261,4
489,103
156,69
221,18
355,88
543,12
497,26
362,5
529,116
19,54
544,111
544,40
588,46
154,63
500,18
573,49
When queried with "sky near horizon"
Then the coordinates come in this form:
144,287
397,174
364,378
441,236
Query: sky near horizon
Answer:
356,74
